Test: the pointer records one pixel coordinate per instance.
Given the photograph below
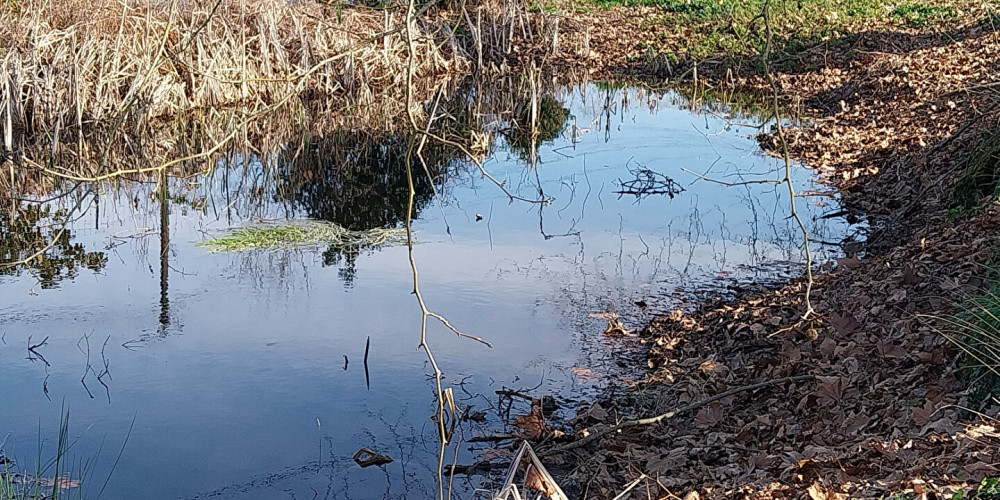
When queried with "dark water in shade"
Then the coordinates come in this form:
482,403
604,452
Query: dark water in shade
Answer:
232,364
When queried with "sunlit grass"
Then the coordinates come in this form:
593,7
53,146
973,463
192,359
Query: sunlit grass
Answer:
709,29
921,15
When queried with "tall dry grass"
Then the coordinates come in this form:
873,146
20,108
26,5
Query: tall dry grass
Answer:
68,66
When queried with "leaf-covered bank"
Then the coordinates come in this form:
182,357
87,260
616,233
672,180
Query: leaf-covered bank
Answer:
899,111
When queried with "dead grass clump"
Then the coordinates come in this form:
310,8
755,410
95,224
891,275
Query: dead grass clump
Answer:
499,34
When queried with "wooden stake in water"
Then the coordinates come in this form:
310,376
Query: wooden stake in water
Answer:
367,380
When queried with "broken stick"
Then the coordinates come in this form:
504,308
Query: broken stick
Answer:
670,414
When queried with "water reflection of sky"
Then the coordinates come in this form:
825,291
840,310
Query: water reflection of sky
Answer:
235,376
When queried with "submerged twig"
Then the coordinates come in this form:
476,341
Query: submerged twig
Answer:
648,182
31,350
765,56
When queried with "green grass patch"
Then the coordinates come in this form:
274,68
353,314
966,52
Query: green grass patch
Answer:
921,15
988,489
732,27
991,20
976,331
303,234
710,29
980,177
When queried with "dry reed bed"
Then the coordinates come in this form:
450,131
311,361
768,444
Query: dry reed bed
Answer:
71,66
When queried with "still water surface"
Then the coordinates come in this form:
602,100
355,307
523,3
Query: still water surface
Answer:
243,371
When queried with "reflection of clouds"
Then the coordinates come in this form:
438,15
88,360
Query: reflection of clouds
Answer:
710,240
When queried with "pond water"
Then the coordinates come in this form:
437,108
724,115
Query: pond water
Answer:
241,375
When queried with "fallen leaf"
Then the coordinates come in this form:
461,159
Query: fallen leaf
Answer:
827,347
616,328
538,482
532,424
603,315
830,389
709,415
817,492
849,263
597,412
62,482
713,367
845,324
586,375
668,462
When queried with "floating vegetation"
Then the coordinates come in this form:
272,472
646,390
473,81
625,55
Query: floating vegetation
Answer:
302,234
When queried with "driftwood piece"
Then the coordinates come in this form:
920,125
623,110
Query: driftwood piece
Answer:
366,457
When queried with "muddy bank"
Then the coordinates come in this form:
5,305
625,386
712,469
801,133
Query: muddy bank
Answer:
897,114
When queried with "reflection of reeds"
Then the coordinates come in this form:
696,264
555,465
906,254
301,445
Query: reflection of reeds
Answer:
87,91
196,141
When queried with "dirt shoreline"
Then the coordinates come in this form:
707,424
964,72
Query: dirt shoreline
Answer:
896,115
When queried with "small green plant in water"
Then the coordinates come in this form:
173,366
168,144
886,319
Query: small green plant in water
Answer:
49,481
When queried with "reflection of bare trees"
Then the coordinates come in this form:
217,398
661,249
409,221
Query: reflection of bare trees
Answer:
34,238
358,181
714,248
